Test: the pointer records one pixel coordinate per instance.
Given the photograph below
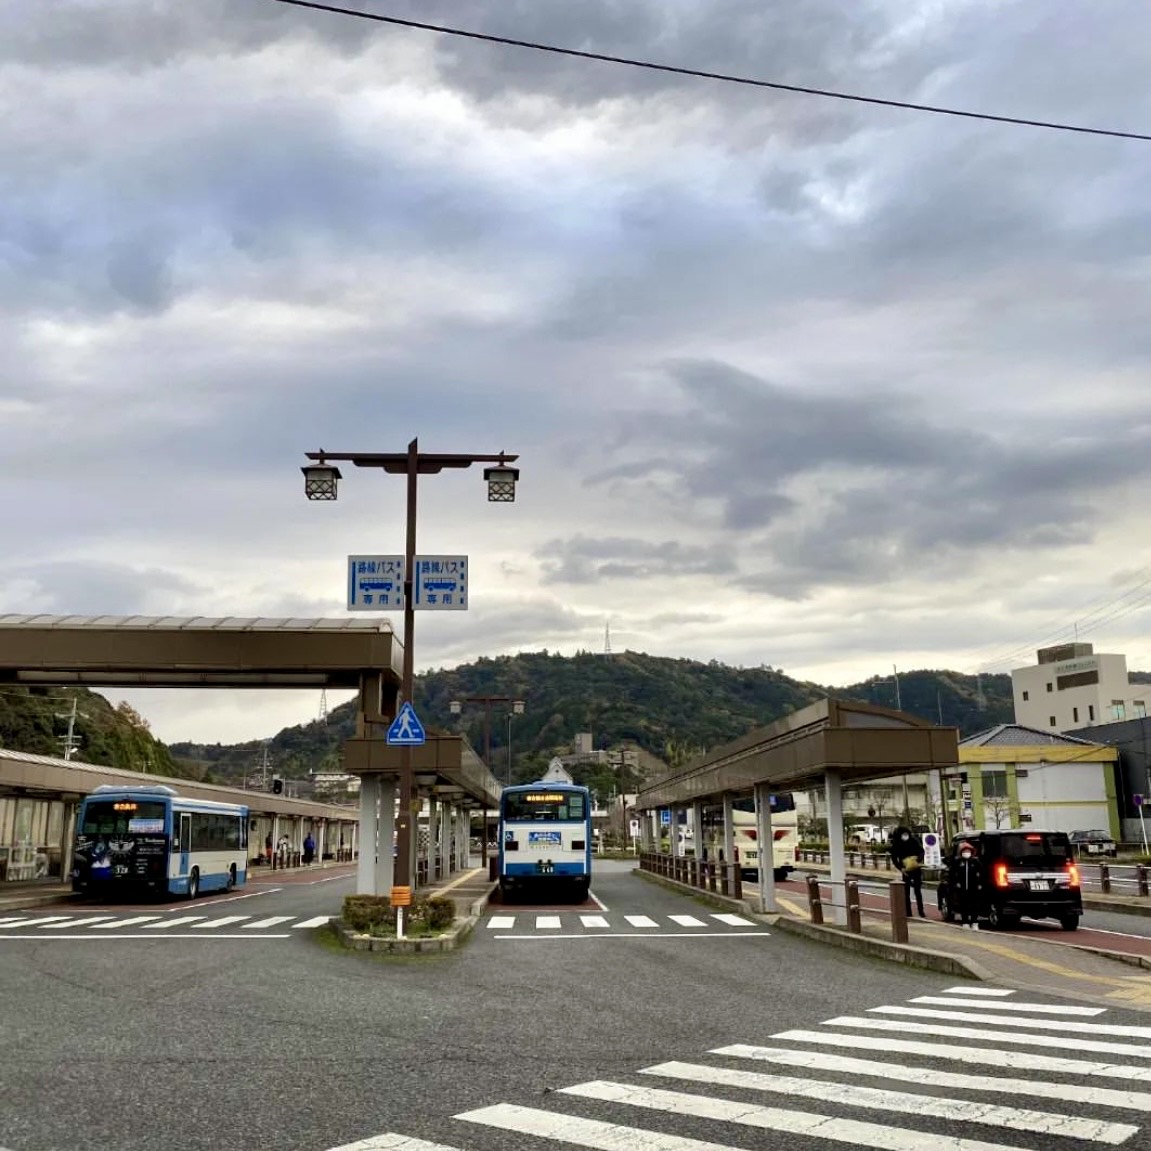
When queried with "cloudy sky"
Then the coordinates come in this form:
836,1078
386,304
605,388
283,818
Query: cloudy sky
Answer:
794,382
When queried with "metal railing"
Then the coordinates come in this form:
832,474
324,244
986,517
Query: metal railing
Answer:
702,874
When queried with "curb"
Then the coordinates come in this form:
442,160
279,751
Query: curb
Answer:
451,939
903,953
710,897
16,902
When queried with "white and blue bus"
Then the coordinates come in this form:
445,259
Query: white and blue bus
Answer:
545,837
151,838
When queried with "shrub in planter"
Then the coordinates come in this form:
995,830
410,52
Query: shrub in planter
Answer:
374,915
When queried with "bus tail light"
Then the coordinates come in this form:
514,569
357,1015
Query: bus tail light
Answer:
778,835
999,877
1072,875
751,833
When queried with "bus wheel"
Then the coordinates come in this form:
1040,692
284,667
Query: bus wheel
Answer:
780,874
194,883
232,878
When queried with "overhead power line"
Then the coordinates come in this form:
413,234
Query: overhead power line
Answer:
722,77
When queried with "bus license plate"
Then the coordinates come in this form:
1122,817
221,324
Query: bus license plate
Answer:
1039,884
546,868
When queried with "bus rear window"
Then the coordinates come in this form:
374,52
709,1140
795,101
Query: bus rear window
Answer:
531,806
119,816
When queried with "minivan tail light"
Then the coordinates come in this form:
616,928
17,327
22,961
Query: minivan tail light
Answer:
1072,875
1000,875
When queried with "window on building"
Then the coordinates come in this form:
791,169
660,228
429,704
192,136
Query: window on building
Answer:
1140,708
1118,709
1090,713
1026,696
1074,715
1050,687
1051,721
994,784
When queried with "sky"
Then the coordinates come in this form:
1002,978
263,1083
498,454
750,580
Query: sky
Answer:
796,382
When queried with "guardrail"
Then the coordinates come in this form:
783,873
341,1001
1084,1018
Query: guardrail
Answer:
896,905
703,874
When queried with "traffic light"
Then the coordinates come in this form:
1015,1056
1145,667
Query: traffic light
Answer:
277,785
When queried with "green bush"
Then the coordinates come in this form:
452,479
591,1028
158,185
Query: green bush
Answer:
374,915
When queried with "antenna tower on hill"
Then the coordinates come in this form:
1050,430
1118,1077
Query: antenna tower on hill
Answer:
323,705
607,637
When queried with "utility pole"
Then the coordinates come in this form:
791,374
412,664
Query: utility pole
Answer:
895,673
69,741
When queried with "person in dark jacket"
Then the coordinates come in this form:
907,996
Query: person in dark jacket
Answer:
967,886
907,855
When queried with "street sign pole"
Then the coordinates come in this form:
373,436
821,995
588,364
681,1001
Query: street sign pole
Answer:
405,840
1138,801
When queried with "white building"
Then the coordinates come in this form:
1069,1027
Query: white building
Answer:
1072,687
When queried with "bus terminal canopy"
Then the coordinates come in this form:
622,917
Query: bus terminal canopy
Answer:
857,741
178,651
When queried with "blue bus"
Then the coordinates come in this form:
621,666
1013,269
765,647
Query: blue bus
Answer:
545,837
153,839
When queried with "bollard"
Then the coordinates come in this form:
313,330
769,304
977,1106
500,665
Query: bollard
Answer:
1141,878
493,868
814,899
711,877
897,896
854,917
723,879
736,882
1105,878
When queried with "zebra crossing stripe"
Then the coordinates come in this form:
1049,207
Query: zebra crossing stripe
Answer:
547,922
641,921
1063,1025
856,1132
994,1005
124,922
501,922
817,1060
593,1133
904,1102
593,921
983,1057
270,922
318,921
179,921
984,992
392,1142
224,921
733,920
74,922
1021,1038
38,922
13,921
687,921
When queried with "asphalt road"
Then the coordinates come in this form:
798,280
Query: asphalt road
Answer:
535,1035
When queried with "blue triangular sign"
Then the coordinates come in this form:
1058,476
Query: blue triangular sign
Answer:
406,729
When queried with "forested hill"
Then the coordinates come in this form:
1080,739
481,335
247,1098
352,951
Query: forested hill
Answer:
671,708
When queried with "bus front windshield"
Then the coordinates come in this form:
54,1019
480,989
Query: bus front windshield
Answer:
121,817
532,806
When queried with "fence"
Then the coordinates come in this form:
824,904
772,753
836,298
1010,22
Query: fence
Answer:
703,874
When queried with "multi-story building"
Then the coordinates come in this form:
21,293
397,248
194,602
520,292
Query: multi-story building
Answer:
1073,687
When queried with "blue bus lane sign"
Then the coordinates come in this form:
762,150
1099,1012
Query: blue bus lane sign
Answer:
440,583
406,729
376,583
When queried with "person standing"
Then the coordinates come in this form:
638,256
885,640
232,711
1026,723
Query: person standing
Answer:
268,849
967,886
309,849
907,855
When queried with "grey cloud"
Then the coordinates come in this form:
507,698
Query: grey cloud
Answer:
582,560
85,587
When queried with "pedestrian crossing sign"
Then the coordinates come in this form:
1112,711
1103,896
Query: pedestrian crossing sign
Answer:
406,729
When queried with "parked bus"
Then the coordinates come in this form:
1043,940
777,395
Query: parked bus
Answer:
545,837
784,831
151,838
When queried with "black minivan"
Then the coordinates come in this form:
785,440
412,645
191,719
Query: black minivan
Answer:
1025,873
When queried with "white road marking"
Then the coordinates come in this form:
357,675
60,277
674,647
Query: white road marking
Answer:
641,921
76,922
817,1060
856,1132
995,1005
687,921
38,922
593,921
124,922
984,992
547,922
733,920
318,921
179,921
598,902
1064,1025
148,935
903,1102
270,922
226,921
646,935
1023,1038
392,1142
501,922
13,921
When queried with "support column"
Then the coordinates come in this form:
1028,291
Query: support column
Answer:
766,840
834,792
697,827
433,838
369,833
464,838
728,830
382,860
447,854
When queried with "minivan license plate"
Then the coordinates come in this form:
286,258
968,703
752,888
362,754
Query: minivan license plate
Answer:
1040,884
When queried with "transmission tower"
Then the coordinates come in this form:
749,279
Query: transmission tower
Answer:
323,705
607,637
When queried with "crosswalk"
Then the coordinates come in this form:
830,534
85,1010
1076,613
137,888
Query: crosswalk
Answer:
159,926
892,1078
589,925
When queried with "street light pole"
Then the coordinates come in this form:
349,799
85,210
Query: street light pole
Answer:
320,483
